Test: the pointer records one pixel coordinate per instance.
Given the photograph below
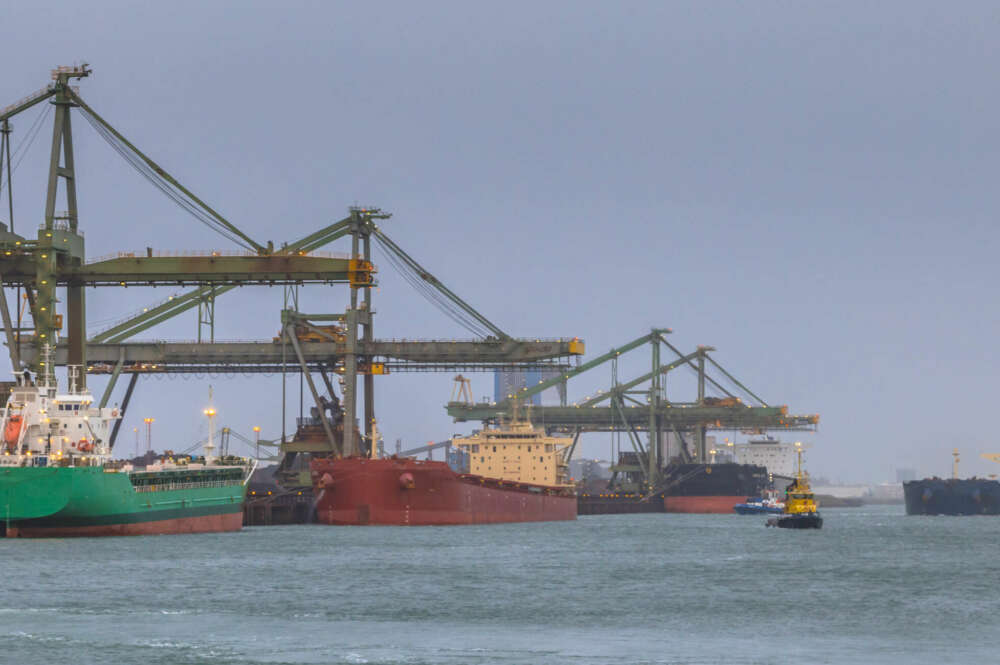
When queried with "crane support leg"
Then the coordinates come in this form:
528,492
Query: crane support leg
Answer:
15,359
368,336
76,339
290,331
572,447
635,441
114,379
125,401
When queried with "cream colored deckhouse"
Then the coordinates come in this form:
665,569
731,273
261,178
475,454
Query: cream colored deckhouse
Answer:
518,452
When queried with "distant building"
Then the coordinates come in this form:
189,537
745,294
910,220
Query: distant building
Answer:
844,491
589,469
905,475
510,382
887,492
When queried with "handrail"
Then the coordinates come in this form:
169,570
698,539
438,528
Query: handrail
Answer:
476,340
185,253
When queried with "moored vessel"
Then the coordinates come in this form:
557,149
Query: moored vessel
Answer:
57,477
515,474
711,488
759,506
953,496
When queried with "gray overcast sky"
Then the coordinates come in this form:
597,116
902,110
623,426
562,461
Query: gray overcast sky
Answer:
809,187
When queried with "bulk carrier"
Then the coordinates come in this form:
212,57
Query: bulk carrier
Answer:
953,496
711,488
515,474
57,477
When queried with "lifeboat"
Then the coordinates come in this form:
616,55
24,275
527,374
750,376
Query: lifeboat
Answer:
12,432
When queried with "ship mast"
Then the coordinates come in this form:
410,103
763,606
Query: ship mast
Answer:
209,444
798,473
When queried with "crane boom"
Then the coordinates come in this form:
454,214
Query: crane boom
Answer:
26,103
189,300
260,249
427,277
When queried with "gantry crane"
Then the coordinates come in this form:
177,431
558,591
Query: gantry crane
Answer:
626,407
56,258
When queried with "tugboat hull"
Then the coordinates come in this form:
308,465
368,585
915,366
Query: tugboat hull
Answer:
799,521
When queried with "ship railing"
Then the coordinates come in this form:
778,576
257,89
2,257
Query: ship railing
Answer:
185,253
166,487
480,339
41,92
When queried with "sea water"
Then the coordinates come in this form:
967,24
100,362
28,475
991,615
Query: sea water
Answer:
873,586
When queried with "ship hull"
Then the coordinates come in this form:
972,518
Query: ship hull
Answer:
613,503
797,521
756,509
937,496
712,488
702,504
92,502
408,492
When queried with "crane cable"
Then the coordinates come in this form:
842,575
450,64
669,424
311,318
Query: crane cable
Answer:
171,192
429,293
434,297
28,140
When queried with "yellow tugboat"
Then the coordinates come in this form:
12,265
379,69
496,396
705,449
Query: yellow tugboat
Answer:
800,503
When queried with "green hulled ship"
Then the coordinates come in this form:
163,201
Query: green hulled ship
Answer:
57,477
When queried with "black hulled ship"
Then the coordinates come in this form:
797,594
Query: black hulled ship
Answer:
953,496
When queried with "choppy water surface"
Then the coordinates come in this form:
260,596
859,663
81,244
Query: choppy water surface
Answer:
874,586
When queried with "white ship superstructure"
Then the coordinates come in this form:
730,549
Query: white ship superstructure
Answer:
778,457
43,427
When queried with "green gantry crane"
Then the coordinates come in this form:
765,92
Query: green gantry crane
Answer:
632,409
55,258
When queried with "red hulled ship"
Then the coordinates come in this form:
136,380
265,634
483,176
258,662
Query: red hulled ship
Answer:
712,488
516,474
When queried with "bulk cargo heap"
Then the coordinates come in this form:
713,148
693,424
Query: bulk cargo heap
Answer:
515,473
